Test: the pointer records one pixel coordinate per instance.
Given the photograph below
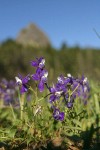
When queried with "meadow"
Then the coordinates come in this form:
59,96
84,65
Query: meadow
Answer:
37,113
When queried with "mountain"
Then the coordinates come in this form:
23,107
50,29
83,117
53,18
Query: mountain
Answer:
32,35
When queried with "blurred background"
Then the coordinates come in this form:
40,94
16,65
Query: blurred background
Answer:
65,32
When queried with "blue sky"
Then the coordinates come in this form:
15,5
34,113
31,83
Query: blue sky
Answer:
70,21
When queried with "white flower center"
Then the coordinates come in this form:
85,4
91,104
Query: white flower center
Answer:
69,75
44,77
42,62
57,113
60,80
85,80
45,74
19,81
58,93
85,89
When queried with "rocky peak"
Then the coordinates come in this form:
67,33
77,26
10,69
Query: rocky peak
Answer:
32,35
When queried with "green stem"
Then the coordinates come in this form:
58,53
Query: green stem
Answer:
12,110
75,89
21,105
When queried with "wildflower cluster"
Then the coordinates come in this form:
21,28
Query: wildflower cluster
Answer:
62,93
7,91
68,88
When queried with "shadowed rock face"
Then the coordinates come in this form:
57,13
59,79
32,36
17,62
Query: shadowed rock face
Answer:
32,35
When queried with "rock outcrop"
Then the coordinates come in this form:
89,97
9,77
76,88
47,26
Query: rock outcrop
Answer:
32,35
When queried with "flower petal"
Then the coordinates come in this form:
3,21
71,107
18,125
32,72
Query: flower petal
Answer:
24,89
41,86
35,77
34,63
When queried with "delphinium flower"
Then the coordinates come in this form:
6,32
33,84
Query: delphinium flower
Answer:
84,89
39,63
58,92
66,90
23,82
57,114
41,74
59,89
55,93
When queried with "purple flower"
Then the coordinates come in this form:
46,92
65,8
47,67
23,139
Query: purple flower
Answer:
84,89
62,83
58,115
60,88
23,83
70,78
62,80
55,93
39,63
41,76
